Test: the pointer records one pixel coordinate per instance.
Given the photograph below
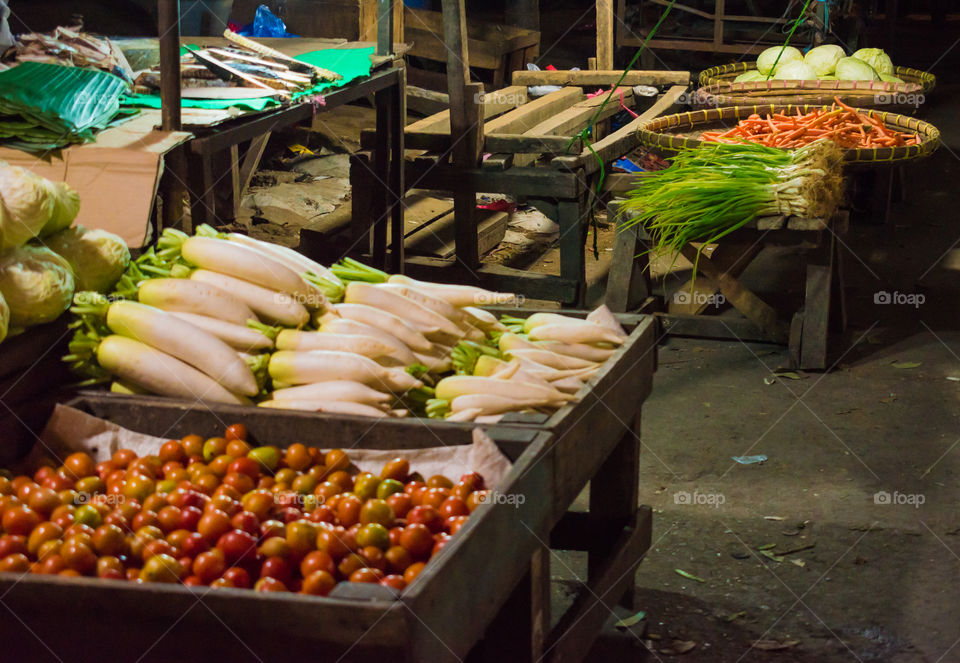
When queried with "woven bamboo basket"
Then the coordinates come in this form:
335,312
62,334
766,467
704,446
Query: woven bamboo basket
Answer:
727,72
682,130
865,94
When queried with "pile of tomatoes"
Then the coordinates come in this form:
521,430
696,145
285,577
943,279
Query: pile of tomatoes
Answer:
223,513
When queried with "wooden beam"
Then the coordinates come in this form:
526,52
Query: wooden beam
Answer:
604,34
494,103
529,115
385,26
426,102
169,22
621,141
601,78
498,142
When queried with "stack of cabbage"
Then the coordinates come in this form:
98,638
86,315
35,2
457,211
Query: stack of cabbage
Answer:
42,259
827,63
226,318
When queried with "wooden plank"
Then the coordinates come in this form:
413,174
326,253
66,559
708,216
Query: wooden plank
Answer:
426,102
169,22
621,141
384,19
731,259
499,142
489,40
718,22
518,525
530,114
437,239
251,160
494,103
571,217
625,273
816,307
710,326
536,182
573,636
601,78
604,34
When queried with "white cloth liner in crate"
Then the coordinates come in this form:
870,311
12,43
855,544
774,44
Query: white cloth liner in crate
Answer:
73,430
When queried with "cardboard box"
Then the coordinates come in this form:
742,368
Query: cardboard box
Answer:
117,176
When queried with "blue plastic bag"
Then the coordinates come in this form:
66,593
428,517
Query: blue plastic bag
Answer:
266,24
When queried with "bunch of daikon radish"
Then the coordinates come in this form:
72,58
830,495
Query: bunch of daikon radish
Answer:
539,364
226,318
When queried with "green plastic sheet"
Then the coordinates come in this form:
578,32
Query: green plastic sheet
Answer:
47,106
351,63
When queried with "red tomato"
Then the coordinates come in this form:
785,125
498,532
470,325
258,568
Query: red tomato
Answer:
277,567
332,542
78,556
318,560
192,581
270,528
213,524
417,539
12,543
318,583
440,541
398,559
395,581
426,515
348,510
19,519
190,517
454,523
238,576
236,432
144,519
322,514
245,465
434,497
110,568
209,565
269,584
366,575
15,563
453,506
400,503
169,518
172,451
413,571
237,545
246,521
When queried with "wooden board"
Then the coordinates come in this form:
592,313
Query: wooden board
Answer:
532,113
601,78
438,239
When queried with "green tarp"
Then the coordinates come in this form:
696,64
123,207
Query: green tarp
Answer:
351,63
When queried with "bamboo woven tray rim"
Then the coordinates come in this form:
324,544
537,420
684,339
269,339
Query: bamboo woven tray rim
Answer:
661,132
866,94
727,72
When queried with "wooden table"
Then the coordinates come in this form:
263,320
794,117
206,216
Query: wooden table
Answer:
807,332
528,142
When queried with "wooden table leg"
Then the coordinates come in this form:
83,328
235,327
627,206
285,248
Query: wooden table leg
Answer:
571,217
628,282
398,114
380,201
817,305
613,499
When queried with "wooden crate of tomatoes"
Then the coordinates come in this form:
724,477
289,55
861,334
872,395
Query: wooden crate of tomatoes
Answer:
261,539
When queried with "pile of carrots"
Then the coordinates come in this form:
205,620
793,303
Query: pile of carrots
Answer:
842,124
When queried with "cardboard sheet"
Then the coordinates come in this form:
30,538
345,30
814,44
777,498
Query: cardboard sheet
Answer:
71,429
117,176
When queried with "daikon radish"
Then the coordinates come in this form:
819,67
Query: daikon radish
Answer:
435,363
271,305
459,385
385,321
182,340
245,263
551,359
368,346
457,295
439,306
604,317
495,404
399,349
465,415
568,385
332,407
295,368
158,372
239,337
587,332
335,390
586,351
485,320
415,314
538,319
290,257
188,296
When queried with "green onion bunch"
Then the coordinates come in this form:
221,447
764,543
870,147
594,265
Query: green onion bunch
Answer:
717,188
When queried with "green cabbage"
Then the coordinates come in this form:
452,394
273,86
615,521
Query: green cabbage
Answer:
66,206
767,59
27,206
795,70
752,76
876,58
852,69
98,258
36,283
824,58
